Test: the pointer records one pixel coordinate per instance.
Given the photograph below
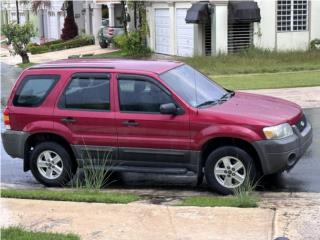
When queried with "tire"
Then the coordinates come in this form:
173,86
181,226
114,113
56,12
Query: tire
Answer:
104,44
218,173
60,160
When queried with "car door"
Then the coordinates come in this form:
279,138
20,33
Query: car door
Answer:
146,137
84,114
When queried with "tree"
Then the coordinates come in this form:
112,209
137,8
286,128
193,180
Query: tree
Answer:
19,36
17,11
70,28
36,5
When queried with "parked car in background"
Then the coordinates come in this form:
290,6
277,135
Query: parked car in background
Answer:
149,117
107,33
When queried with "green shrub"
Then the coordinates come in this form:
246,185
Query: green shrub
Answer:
38,49
132,45
315,44
73,56
52,42
60,44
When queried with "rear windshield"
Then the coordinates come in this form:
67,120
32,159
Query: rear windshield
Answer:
33,90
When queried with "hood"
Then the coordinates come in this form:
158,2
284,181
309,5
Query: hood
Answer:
247,108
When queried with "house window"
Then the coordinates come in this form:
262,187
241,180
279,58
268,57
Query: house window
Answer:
292,15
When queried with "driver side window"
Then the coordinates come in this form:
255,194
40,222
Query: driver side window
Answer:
140,95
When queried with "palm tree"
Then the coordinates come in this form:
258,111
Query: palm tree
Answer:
37,5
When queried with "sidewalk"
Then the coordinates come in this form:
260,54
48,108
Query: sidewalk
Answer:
52,56
306,97
94,221
291,215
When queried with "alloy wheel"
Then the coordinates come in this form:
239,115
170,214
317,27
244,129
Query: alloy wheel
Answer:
230,172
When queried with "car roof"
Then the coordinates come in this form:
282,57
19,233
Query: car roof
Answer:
155,66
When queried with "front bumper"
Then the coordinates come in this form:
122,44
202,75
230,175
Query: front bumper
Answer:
279,155
14,142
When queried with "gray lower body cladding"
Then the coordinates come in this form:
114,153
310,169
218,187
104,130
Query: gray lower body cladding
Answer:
279,155
169,161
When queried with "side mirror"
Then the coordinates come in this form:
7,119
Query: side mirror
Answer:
168,108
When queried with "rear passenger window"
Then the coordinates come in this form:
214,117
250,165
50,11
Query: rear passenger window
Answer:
87,92
33,90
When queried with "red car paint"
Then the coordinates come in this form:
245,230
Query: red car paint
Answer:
243,116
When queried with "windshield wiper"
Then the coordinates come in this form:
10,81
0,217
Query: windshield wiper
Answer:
227,96
211,102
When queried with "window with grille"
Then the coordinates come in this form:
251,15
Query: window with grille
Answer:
292,15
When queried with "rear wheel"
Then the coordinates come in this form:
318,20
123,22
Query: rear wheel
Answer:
51,164
103,44
228,168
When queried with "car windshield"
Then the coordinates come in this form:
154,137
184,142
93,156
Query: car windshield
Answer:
195,88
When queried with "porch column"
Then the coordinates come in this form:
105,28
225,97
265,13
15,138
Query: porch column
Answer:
219,27
96,20
87,18
111,14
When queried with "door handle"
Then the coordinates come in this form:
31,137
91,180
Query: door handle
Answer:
130,123
68,120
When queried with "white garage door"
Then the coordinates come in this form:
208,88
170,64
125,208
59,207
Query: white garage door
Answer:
162,27
184,34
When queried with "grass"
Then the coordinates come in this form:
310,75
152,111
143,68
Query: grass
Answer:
17,233
115,54
256,61
272,80
74,196
256,69
249,201
25,65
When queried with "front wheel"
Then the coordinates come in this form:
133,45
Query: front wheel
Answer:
228,168
51,164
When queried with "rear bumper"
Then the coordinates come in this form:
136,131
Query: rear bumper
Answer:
279,155
14,142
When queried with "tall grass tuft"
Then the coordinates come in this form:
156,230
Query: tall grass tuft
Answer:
245,192
96,171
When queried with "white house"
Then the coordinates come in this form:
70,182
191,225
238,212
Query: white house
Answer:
231,25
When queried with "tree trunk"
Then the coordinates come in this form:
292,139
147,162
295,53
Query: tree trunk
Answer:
17,9
70,9
135,15
25,57
124,18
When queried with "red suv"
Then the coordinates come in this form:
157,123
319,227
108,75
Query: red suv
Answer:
148,117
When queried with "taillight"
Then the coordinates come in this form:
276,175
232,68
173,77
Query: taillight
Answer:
110,31
6,119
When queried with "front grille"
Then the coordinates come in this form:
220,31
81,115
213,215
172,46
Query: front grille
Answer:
302,123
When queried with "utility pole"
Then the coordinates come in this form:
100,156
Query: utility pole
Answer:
17,9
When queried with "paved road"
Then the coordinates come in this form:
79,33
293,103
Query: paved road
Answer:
304,177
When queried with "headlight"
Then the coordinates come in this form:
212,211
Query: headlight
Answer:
278,132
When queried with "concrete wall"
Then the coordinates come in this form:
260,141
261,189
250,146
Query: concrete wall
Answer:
78,16
265,31
219,27
267,37
315,19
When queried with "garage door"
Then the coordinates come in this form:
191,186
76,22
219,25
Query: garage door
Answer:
184,34
162,27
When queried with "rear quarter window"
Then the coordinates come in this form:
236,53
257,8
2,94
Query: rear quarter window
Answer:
33,90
